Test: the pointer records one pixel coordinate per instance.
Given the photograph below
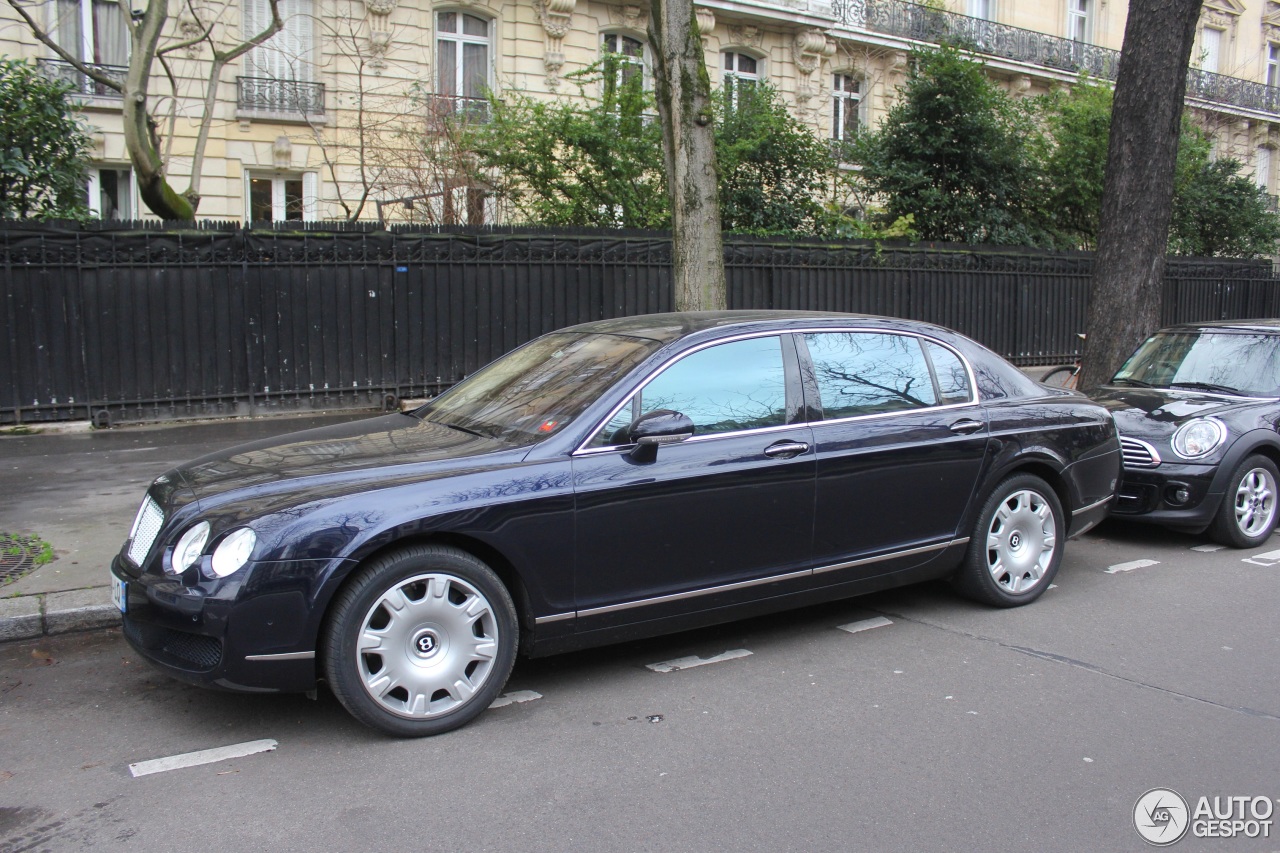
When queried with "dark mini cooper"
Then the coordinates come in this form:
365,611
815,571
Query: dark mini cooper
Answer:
1198,408
610,481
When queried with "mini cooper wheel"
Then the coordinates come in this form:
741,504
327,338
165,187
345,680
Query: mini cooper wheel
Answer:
1016,544
1247,516
420,641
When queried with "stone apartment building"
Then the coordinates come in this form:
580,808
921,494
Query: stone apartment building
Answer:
321,121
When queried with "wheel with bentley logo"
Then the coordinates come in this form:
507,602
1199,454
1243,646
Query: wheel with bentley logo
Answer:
1016,544
420,641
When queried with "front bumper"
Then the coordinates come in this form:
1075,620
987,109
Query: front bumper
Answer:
1152,495
219,634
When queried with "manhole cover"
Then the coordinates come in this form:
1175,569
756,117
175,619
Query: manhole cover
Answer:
20,555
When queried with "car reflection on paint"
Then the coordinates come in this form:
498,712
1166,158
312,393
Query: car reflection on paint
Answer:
1198,409
610,481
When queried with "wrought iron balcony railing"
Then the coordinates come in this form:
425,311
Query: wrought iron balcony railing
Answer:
268,95
444,108
921,23
61,71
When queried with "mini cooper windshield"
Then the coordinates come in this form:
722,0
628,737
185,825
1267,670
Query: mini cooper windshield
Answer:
1241,363
538,389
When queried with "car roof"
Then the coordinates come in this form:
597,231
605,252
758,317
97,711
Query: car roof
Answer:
1253,325
669,327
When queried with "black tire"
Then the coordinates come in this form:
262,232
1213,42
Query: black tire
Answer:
1247,516
435,661
1016,545
1062,377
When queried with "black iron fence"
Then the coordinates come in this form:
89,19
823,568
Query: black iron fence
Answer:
138,325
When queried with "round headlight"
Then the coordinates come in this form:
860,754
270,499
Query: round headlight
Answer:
189,548
233,552
1198,438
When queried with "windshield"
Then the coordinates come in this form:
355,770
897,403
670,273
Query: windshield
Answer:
537,390
1246,363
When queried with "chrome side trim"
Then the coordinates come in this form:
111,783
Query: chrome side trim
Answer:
286,656
557,617
1091,506
909,552
678,596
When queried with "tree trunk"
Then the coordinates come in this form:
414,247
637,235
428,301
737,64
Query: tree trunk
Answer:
683,91
1137,199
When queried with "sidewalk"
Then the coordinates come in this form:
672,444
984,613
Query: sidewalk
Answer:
78,489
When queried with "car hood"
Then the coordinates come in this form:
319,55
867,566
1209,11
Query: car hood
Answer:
1159,411
389,448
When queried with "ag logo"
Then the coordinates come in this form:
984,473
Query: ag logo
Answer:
1161,817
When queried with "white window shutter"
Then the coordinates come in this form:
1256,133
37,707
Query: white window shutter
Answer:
310,196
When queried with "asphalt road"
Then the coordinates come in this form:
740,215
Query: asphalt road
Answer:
941,725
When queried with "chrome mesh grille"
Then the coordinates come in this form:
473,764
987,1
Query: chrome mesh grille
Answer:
1138,454
146,527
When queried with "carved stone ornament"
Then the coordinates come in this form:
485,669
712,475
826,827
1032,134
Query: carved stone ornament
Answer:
810,48
380,7
706,20
189,28
631,17
1271,30
557,19
379,44
746,35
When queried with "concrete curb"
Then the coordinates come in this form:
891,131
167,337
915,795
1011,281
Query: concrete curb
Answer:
29,616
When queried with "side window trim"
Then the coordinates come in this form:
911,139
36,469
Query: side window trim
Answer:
791,393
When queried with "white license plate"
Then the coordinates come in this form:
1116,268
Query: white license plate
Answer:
118,593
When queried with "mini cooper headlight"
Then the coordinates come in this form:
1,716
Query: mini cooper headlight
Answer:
189,548
1199,437
233,552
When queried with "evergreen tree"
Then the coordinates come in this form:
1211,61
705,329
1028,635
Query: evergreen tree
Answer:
43,147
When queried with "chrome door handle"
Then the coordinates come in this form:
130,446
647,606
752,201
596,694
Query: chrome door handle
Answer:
966,426
785,449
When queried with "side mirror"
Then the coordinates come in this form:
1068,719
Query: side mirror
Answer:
661,426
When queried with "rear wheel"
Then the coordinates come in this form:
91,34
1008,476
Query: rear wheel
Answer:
1247,516
421,641
1016,545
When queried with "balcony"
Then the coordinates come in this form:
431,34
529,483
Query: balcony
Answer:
442,109
61,71
290,100
921,23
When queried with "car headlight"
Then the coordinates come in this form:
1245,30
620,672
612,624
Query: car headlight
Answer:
1199,437
189,548
233,552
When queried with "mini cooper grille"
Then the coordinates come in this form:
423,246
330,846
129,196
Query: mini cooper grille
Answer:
146,527
1138,454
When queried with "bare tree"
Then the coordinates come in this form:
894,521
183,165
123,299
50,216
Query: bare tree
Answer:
1137,196
147,30
683,91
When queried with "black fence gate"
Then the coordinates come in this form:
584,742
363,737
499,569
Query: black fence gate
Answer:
158,323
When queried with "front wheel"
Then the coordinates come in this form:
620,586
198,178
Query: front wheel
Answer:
420,641
1247,515
1016,545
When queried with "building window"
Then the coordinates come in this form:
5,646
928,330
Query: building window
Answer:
629,55
462,62
1273,64
1262,169
286,55
1079,14
741,75
846,114
984,9
281,197
1211,50
93,31
111,193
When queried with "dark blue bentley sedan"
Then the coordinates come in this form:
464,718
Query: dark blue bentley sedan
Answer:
610,481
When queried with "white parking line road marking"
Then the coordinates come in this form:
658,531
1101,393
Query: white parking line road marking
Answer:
204,756
865,625
1128,567
514,697
692,661
1270,558
1208,549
